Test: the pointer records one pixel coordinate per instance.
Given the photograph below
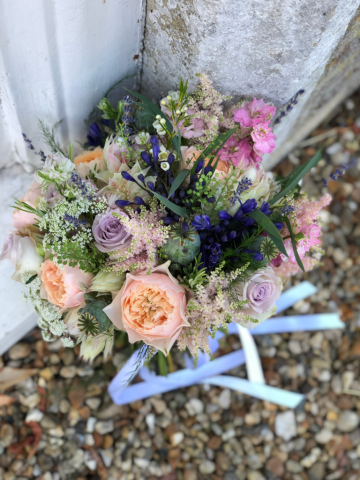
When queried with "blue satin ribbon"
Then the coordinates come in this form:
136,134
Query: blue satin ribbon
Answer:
209,372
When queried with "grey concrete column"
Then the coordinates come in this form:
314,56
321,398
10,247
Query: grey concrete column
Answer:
264,48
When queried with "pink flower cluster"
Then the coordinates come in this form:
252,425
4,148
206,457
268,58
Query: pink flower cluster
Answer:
304,224
256,136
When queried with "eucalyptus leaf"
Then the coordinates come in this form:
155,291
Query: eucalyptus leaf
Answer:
295,177
270,229
293,242
144,120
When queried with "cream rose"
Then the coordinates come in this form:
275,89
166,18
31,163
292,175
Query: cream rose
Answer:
63,286
150,308
21,251
261,291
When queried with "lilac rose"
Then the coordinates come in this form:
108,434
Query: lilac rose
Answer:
261,290
109,233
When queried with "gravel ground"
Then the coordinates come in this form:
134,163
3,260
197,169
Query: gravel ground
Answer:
60,423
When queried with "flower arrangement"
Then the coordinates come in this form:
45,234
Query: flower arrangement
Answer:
165,228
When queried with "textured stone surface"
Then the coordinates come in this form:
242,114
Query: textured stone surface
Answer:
255,48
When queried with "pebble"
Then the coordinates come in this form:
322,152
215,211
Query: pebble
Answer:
150,422
158,404
224,400
324,436
206,467
94,403
285,425
347,421
19,351
317,471
252,418
105,426
34,415
293,467
6,434
176,438
254,475
194,406
68,372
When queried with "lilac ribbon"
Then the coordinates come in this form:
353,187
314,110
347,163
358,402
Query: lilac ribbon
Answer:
209,372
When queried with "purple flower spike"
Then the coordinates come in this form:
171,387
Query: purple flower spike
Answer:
279,225
201,222
257,256
249,206
151,186
127,176
155,147
167,220
139,201
171,159
122,203
207,170
199,166
147,159
224,215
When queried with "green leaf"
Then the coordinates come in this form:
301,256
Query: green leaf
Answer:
178,180
31,279
96,309
163,369
182,212
144,120
293,242
217,144
154,110
270,229
295,177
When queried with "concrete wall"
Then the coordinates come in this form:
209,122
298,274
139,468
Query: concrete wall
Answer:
57,58
267,49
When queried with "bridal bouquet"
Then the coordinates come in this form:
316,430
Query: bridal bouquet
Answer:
165,227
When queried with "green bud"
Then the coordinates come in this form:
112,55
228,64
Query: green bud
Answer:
298,237
107,282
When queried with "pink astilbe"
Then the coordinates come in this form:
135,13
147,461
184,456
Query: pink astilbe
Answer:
212,307
148,235
305,228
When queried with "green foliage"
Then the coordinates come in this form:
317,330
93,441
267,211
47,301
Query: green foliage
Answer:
293,242
89,258
144,121
109,113
95,309
31,279
294,178
163,368
262,220
49,137
193,275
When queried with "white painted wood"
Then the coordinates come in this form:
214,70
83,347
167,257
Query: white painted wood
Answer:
57,58
17,317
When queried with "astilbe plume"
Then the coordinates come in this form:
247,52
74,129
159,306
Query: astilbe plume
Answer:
148,235
212,307
303,221
205,108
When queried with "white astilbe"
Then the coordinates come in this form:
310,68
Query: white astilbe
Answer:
212,307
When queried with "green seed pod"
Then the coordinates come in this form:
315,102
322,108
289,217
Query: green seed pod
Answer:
182,247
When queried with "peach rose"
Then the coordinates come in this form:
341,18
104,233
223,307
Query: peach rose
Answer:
87,161
192,154
150,308
22,219
61,285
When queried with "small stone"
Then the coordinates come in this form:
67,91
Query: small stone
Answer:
89,461
64,406
324,436
325,376
316,340
224,400
317,471
142,463
46,374
104,426
347,379
206,466
275,466
150,422
48,422
6,434
295,347
19,351
176,438
252,418
214,442
190,474
254,475
107,457
293,467
194,407
347,421
285,425
68,372
158,404
94,403
34,415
